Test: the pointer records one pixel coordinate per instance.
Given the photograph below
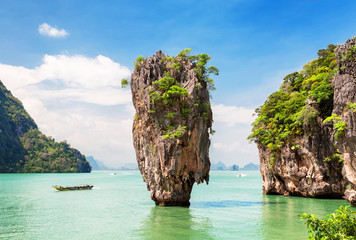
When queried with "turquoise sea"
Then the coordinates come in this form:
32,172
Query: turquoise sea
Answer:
119,207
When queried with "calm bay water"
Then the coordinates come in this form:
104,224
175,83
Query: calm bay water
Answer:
119,207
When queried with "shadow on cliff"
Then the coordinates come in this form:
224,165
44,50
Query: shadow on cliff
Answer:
175,223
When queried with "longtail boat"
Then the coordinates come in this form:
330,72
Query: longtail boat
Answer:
82,187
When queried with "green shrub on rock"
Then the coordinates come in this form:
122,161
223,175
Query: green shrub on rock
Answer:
340,225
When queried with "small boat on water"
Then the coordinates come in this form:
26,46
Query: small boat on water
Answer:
81,187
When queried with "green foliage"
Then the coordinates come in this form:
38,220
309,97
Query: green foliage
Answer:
124,83
169,91
295,147
165,83
176,91
204,108
173,132
170,115
340,128
335,157
351,106
185,54
322,91
338,125
340,225
307,115
277,119
292,82
351,54
154,97
43,154
185,111
212,131
138,61
282,117
175,63
203,72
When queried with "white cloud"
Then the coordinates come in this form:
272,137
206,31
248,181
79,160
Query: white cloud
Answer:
78,99
227,147
76,78
232,114
48,30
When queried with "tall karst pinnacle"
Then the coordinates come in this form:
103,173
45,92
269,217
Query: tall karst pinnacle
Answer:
172,123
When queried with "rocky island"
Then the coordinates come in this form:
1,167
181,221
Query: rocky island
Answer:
306,131
172,123
23,148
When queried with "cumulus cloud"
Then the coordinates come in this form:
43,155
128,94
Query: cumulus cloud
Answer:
76,78
232,114
47,30
78,99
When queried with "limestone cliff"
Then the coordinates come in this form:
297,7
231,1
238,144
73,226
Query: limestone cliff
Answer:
344,85
314,154
170,128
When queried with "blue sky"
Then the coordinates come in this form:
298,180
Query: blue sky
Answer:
254,43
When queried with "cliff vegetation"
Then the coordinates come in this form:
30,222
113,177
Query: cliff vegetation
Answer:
282,117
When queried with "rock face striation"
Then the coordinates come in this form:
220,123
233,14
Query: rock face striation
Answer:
170,128
309,165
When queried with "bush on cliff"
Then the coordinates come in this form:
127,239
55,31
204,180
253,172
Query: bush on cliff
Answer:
340,225
302,98
43,154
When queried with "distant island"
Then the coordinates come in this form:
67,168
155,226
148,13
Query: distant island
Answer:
222,167
24,149
250,167
96,164
129,166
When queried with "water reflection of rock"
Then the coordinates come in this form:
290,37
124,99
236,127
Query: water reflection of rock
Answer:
175,223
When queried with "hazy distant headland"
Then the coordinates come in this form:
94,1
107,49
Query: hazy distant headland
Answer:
222,167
